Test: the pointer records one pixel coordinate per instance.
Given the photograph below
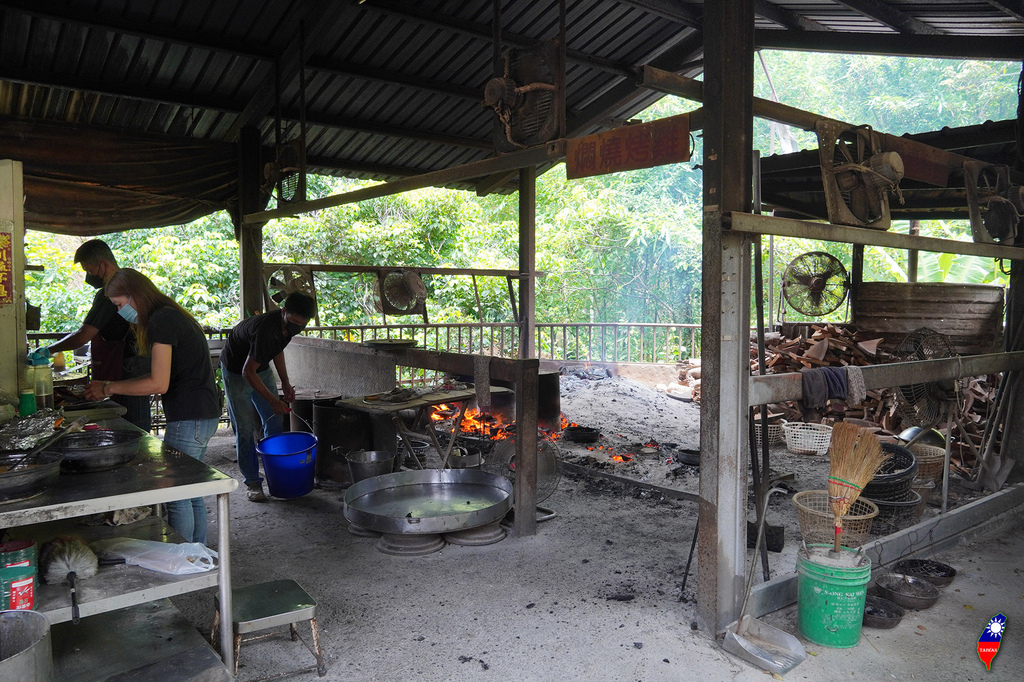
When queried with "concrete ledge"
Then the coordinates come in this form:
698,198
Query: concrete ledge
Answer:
942,532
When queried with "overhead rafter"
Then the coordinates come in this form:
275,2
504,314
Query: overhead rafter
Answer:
484,31
890,16
783,17
1006,48
667,9
387,129
372,73
1013,8
332,164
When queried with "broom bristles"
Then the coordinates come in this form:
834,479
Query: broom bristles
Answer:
856,456
66,554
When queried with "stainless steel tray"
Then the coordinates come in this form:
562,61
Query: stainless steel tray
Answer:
428,501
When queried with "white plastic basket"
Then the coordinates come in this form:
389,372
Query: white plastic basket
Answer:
807,439
774,434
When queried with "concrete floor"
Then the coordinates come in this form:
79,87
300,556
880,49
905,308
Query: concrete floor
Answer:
594,596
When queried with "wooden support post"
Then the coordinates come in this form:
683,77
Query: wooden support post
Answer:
525,493
12,278
250,236
527,260
915,230
725,316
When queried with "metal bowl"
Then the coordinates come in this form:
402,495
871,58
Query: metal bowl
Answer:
99,450
29,481
907,591
931,436
936,573
581,434
881,613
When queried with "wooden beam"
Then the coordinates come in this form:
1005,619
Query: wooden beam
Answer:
785,18
552,151
890,16
479,272
806,229
376,75
1003,48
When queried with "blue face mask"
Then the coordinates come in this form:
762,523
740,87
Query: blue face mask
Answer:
129,313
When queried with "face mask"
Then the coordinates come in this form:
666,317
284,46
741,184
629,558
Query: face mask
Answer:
293,328
129,313
95,281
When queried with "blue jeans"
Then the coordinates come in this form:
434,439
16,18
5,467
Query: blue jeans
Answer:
241,399
191,436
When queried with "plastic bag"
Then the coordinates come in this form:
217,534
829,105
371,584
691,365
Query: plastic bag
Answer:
164,557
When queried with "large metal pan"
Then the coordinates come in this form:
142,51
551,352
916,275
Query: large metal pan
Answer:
98,450
30,480
428,501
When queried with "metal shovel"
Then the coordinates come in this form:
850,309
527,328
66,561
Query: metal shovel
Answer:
763,645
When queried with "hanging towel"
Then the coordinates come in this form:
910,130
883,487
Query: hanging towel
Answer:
855,382
821,385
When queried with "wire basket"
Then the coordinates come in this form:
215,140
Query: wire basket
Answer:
807,439
817,524
930,461
775,435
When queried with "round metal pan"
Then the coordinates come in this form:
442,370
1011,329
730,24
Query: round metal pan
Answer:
99,450
30,480
428,501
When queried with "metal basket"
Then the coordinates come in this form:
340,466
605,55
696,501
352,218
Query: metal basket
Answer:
807,439
930,461
817,521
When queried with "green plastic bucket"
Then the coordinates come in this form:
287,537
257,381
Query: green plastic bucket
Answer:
830,595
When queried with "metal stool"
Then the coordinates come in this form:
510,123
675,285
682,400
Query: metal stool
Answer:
267,605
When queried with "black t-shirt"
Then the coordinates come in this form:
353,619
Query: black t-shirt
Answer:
260,336
191,392
112,327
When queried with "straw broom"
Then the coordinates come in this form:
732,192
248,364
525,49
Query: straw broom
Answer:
855,457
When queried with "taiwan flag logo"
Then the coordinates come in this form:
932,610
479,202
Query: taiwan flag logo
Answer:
988,645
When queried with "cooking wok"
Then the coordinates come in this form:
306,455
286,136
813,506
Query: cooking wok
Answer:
98,450
30,480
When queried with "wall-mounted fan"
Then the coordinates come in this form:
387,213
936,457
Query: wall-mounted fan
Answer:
281,280
926,404
401,292
526,97
995,204
815,283
857,174
502,461
286,174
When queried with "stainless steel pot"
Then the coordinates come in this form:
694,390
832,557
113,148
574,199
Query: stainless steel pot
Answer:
99,450
29,480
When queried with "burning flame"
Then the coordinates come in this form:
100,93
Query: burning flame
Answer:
622,458
474,422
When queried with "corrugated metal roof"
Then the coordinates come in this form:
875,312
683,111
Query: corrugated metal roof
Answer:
395,88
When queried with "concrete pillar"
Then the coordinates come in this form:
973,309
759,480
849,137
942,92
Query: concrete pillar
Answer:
527,260
725,310
12,278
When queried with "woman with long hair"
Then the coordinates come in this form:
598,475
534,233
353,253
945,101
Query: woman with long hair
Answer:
181,372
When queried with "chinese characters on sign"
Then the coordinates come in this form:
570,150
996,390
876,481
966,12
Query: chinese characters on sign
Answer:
666,140
6,269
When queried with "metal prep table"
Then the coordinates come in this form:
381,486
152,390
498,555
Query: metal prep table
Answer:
420,405
156,476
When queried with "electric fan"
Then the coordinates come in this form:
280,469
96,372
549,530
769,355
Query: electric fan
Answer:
995,205
279,281
401,292
925,404
526,97
815,283
286,174
502,461
857,174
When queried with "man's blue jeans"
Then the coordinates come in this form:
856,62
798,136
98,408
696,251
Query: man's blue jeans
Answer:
241,398
191,436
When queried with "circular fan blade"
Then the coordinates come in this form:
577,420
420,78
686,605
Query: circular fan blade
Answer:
815,283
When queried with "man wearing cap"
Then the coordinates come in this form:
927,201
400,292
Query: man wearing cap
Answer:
112,345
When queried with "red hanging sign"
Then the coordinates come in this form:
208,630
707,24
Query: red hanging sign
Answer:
631,147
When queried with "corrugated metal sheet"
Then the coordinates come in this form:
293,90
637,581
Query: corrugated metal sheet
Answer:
393,87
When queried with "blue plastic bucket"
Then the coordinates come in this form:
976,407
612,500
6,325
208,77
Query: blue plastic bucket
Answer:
289,461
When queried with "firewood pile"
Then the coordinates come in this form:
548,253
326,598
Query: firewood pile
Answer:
836,346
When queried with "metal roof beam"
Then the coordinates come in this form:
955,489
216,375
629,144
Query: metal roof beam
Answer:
232,107
377,75
1014,8
668,9
64,12
484,31
890,16
783,17
1004,48
328,163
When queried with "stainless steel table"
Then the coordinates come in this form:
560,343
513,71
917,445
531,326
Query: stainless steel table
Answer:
156,476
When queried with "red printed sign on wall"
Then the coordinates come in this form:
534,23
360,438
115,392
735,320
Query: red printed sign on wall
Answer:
6,269
632,147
